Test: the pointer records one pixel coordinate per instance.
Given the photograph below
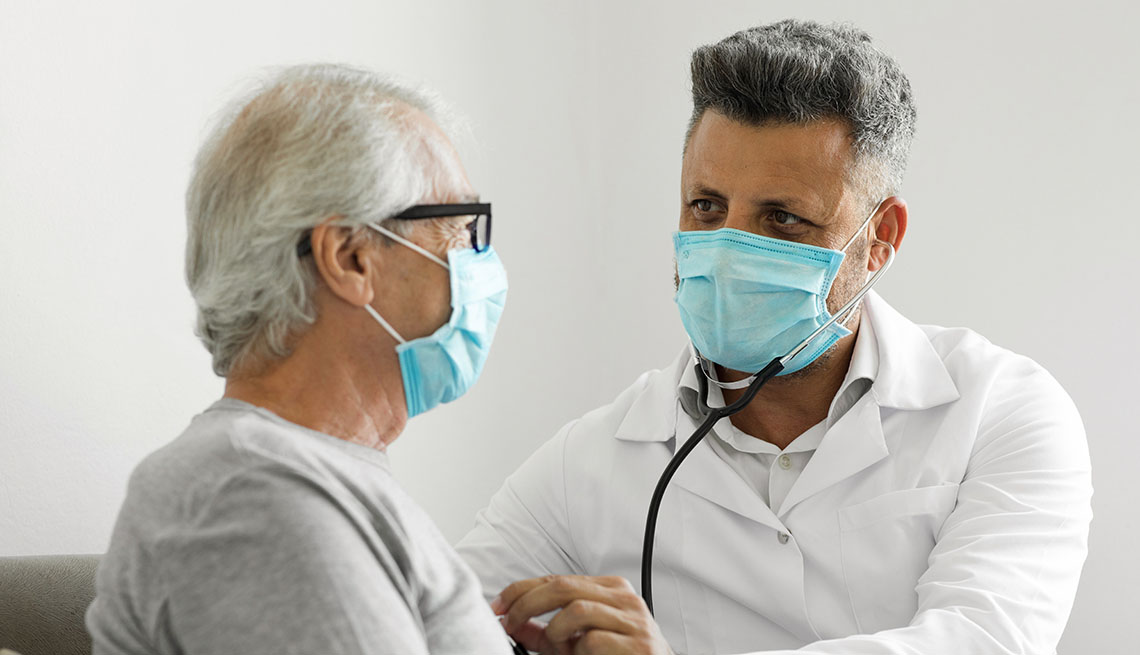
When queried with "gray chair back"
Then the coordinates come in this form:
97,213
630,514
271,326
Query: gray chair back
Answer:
43,600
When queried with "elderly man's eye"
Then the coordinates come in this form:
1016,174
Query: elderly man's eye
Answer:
462,232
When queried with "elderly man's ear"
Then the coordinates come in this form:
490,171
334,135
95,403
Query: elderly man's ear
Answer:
342,258
891,227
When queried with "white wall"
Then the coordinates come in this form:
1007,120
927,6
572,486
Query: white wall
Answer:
1023,222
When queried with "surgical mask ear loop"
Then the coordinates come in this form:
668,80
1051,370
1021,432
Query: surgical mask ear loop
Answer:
404,242
849,306
875,241
871,277
384,324
862,226
706,367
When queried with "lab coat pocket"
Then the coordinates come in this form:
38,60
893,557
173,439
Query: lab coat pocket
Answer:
886,543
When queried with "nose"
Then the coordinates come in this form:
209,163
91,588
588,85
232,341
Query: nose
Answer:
739,218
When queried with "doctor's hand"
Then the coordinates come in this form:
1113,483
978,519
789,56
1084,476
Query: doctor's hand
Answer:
599,615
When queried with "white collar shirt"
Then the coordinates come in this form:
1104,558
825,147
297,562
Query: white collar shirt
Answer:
768,470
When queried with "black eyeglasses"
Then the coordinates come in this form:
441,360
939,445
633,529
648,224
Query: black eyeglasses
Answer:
479,227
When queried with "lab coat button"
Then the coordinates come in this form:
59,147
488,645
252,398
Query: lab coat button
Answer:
785,462
782,537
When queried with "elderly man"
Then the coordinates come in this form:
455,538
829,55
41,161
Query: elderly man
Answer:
894,489
344,282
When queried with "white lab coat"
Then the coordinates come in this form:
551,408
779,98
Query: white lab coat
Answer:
946,512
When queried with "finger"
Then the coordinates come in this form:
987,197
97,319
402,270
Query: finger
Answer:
511,593
614,582
532,636
559,592
581,615
501,603
600,642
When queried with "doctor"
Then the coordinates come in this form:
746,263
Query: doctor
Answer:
897,489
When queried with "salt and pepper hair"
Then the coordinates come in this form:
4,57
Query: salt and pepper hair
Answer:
796,72
307,143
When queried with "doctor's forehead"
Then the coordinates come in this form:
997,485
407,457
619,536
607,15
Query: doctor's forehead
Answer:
806,166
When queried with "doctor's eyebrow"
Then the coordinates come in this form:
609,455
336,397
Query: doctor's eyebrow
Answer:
706,191
791,205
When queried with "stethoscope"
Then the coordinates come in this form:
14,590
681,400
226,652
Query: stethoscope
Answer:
706,373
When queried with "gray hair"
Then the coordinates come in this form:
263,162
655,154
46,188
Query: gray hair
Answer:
308,143
798,71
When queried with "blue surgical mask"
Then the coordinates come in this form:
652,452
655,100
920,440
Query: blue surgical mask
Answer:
746,299
442,366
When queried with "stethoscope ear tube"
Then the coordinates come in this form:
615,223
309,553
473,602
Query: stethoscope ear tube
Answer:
715,414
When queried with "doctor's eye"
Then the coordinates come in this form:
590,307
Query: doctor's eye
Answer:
784,218
703,207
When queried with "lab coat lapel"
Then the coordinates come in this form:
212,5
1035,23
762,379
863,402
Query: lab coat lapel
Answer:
708,476
651,415
655,414
855,442
910,375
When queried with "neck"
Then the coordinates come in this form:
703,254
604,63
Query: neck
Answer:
328,386
787,406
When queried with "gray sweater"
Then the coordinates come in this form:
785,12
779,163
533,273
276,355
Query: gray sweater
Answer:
249,534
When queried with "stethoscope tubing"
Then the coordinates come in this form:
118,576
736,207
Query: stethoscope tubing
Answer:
714,414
